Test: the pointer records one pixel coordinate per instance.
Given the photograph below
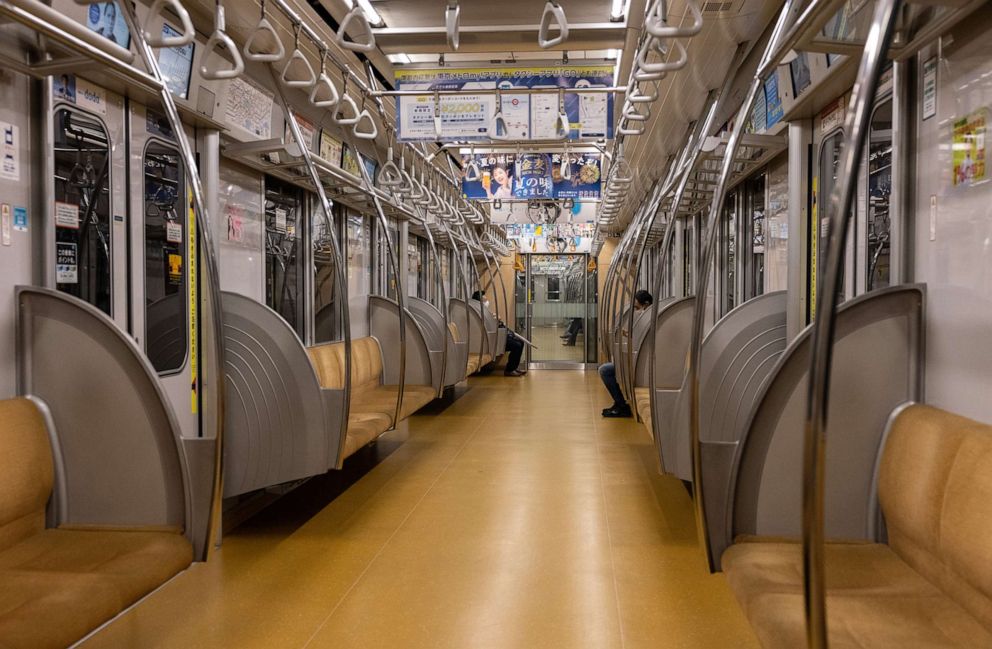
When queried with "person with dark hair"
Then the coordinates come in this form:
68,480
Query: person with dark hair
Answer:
608,371
514,346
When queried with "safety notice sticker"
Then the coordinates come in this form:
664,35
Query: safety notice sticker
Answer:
10,165
66,215
66,263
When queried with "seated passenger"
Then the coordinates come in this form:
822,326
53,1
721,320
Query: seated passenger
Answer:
608,372
514,346
574,327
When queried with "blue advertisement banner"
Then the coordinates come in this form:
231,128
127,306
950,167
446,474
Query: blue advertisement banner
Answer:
773,102
527,116
508,176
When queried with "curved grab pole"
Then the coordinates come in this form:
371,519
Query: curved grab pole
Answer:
264,27
160,40
339,269
708,233
211,271
657,23
464,282
356,15
394,266
824,325
220,39
552,11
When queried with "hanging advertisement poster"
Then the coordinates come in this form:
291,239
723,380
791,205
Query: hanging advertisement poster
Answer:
555,238
533,175
350,165
968,148
773,102
470,116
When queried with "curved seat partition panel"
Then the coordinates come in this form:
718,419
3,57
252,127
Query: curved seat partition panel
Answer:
384,317
672,336
431,323
281,424
119,458
491,326
736,359
455,371
878,363
473,325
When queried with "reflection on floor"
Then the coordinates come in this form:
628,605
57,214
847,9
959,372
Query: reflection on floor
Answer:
515,518
550,348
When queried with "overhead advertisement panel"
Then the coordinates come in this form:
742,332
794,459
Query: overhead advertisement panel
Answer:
508,176
555,238
470,116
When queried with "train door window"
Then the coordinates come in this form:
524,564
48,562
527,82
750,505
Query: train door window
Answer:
284,258
83,244
729,237
879,225
687,244
756,233
446,271
554,288
359,255
824,181
413,266
166,264
322,243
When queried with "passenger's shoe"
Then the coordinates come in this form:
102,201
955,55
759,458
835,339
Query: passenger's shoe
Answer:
514,373
618,411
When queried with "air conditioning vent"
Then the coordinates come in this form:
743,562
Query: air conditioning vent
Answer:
716,7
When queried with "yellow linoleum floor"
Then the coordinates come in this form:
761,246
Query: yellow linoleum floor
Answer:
515,518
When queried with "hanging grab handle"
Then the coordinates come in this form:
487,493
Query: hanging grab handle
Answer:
390,175
161,40
472,172
270,48
498,128
657,23
452,23
635,95
356,16
552,10
563,127
298,73
370,132
324,94
630,113
622,172
641,75
438,125
662,66
220,40
566,166
341,118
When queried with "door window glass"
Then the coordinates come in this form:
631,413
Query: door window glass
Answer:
166,335
83,244
879,225
284,251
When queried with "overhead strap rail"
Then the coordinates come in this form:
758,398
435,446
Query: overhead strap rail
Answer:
708,236
211,279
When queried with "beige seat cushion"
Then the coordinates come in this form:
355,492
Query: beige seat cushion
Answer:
931,586
382,400
364,428
366,363
642,398
873,599
26,471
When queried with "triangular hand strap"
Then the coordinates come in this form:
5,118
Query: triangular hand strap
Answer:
298,72
324,94
552,10
156,38
270,48
356,15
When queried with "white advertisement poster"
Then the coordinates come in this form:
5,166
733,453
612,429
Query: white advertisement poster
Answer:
67,215
249,106
544,116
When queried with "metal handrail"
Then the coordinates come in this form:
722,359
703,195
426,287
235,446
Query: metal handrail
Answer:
702,279
856,128
339,270
212,275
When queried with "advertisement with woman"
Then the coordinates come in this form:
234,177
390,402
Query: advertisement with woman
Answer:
532,176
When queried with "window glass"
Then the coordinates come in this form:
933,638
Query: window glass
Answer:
166,334
879,226
284,251
83,244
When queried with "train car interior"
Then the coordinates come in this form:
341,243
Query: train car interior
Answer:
551,323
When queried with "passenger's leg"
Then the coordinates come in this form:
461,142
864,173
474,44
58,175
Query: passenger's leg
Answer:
608,373
514,350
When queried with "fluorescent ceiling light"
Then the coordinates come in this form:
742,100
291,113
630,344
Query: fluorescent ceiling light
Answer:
370,13
399,58
617,10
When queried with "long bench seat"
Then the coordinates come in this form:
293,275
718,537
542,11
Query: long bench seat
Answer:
372,409
476,362
929,586
58,584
